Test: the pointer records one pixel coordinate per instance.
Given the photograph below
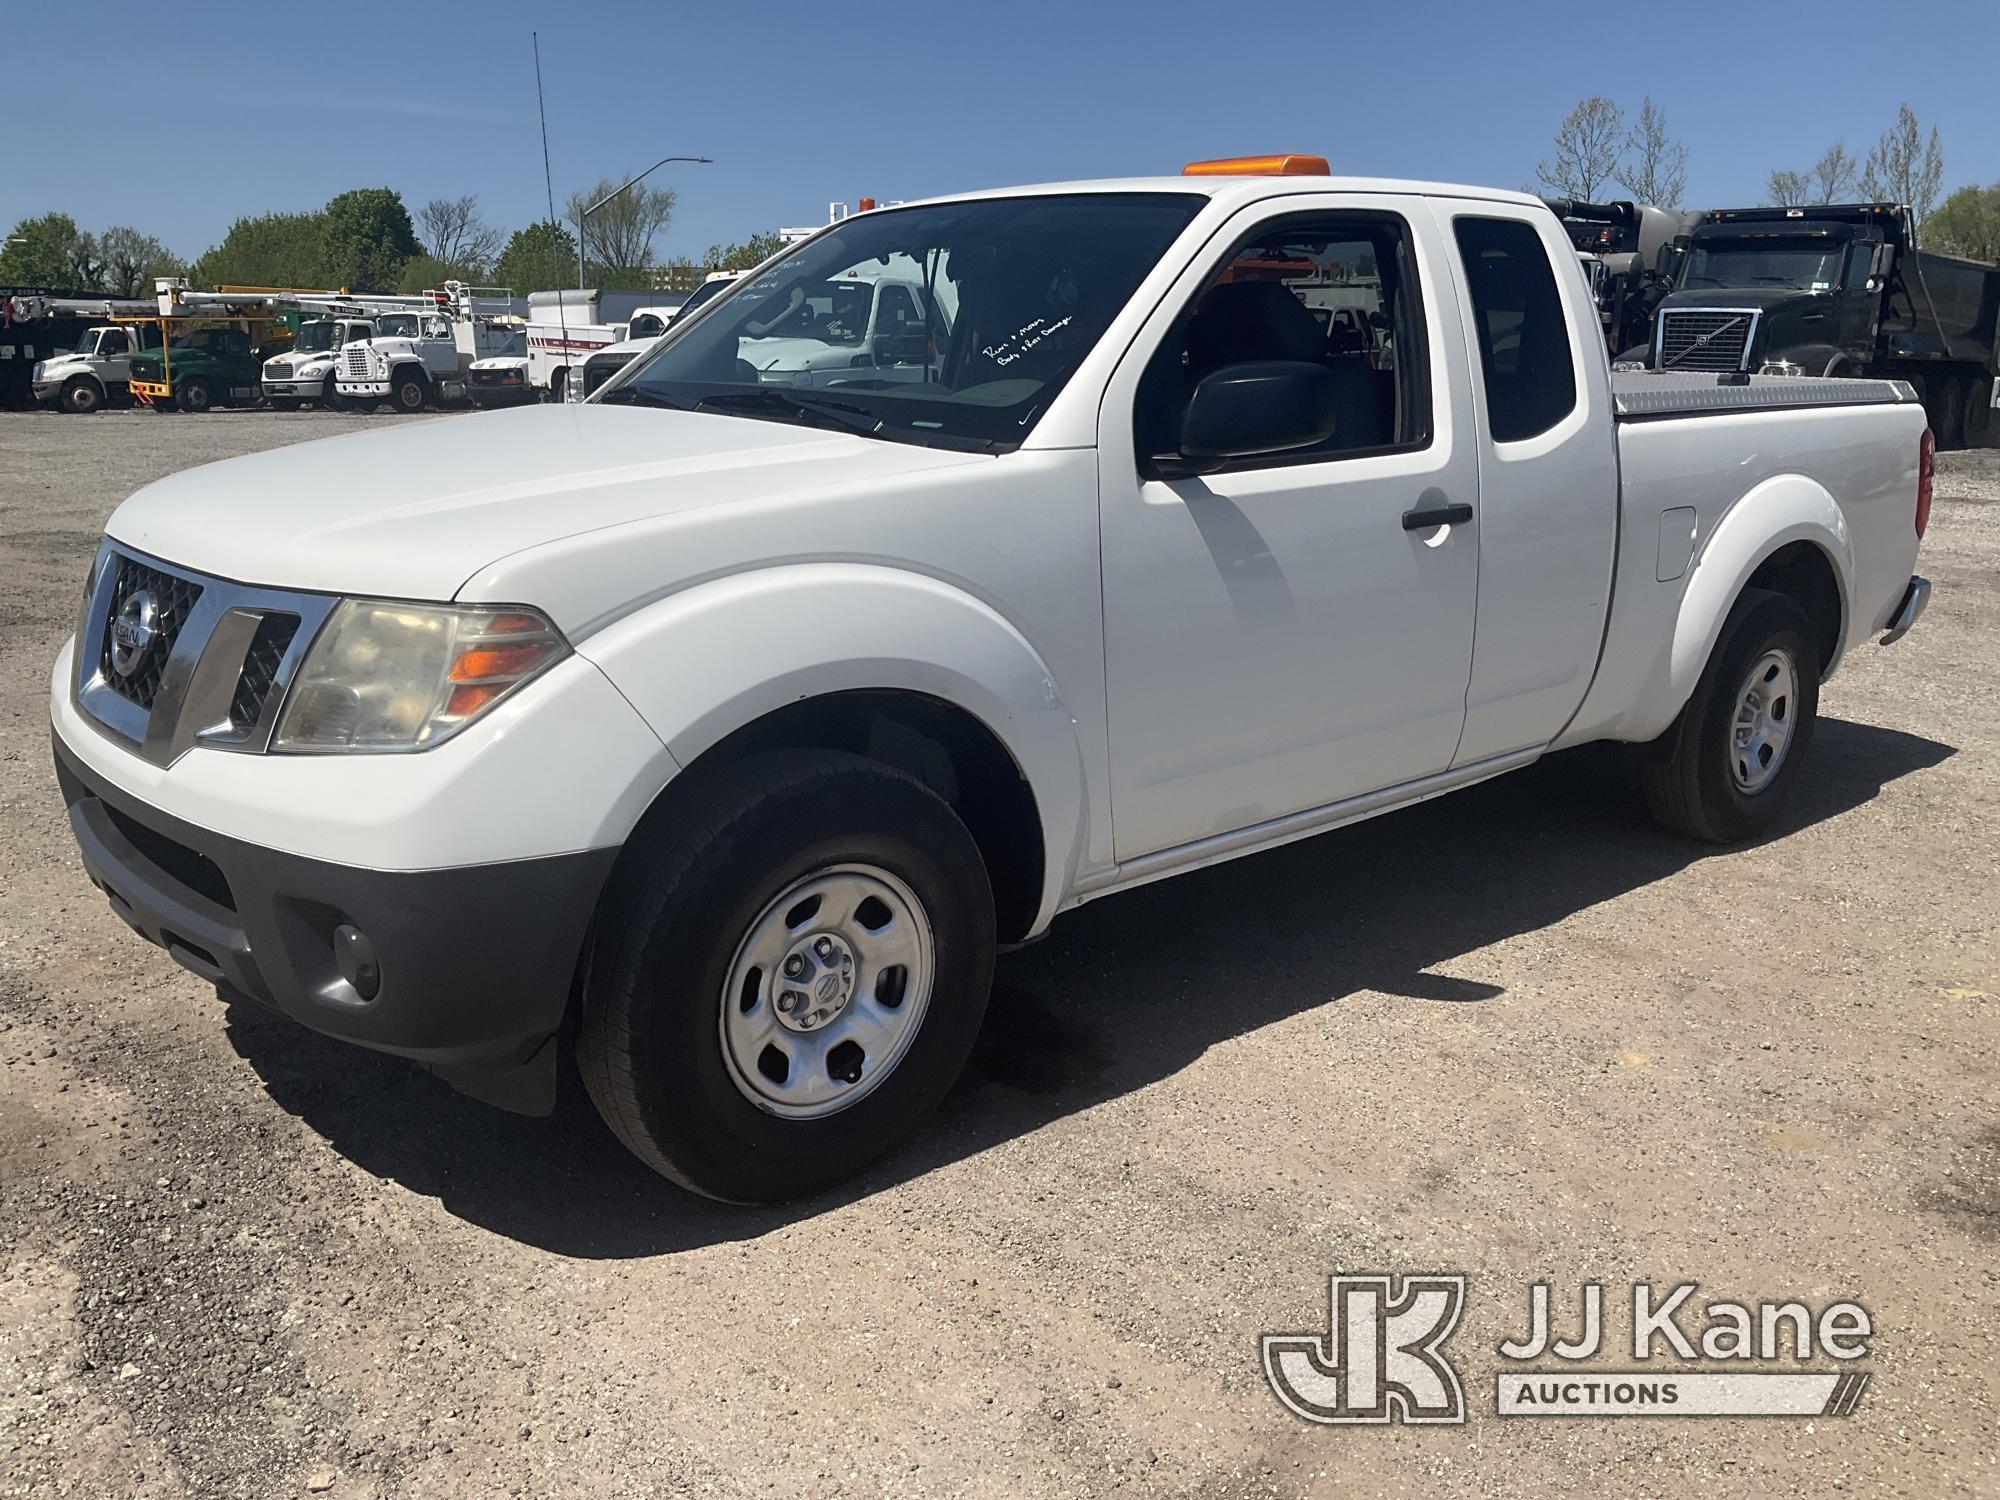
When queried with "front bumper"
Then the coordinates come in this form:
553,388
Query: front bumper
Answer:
1915,598
474,965
361,387
301,390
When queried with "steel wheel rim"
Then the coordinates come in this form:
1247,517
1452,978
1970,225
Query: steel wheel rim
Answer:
1766,722
827,991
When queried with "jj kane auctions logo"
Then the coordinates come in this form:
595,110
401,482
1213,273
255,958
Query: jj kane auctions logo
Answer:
1381,1358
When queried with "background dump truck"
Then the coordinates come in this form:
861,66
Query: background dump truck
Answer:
1838,291
1632,254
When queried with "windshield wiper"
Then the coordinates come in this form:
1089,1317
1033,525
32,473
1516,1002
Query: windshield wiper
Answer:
638,395
812,411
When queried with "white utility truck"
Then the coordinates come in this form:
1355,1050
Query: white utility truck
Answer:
97,371
305,372
726,728
422,357
568,325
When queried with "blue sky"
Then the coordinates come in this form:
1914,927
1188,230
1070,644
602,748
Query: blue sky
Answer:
241,109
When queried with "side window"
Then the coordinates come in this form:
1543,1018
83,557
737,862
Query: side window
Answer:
436,328
1338,290
1517,316
897,314
645,326
1860,259
113,341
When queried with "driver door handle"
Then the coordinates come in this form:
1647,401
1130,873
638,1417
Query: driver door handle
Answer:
1441,515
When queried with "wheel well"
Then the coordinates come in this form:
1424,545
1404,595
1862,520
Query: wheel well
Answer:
947,749
408,367
1803,572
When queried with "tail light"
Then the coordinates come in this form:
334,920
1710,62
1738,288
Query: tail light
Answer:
1926,479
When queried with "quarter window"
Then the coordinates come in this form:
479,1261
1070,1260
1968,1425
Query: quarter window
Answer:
1517,316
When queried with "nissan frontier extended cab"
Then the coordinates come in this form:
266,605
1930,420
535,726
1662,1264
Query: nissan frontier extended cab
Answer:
722,731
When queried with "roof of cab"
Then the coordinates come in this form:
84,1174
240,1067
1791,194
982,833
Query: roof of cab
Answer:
1249,188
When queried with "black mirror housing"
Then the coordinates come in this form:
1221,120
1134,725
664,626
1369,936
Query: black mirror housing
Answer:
1258,407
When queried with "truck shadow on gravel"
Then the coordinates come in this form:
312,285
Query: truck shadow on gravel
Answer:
1122,993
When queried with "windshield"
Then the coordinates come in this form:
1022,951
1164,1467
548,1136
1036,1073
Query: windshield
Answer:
517,344
397,326
953,325
706,292
1810,265
314,338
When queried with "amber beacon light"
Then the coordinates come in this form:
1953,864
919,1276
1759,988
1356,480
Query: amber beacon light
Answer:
1287,164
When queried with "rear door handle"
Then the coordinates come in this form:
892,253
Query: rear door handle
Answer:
1441,515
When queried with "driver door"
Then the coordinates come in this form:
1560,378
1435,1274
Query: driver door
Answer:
1294,630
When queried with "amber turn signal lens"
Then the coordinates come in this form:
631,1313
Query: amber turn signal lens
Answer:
477,663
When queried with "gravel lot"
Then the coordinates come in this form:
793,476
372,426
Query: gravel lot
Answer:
1516,1033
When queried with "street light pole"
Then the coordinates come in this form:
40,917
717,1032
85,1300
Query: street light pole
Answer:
585,215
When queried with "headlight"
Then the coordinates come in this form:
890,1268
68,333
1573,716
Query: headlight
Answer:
385,676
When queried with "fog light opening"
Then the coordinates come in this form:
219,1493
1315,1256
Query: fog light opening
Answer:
356,957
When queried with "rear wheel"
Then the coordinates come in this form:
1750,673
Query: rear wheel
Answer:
82,394
195,395
782,986
1725,769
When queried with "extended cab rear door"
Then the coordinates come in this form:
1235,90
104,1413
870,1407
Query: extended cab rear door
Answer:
1288,631
1548,472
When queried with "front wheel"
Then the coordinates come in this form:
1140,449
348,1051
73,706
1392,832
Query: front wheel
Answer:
329,396
82,395
783,985
195,395
408,392
285,403
1725,769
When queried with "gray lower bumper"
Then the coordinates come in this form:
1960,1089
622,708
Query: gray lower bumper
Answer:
1915,597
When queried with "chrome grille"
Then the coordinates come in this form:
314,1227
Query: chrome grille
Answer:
1704,338
260,670
216,670
174,599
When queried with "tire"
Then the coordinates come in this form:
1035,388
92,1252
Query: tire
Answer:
683,941
285,403
1697,778
408,391
195,396
1982,421
558,391
82,394
329,398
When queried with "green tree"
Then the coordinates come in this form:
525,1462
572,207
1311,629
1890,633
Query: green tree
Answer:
1587,144
421,273
618,238
51,251
269,250
538,258
1905,167
132,260
1968,224
753,251
368,237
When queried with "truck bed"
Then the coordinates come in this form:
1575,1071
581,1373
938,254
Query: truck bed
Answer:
1647,395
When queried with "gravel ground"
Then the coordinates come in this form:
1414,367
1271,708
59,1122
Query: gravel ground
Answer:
1516,1033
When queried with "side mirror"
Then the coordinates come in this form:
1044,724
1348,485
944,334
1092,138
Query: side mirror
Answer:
1257,407
1884,261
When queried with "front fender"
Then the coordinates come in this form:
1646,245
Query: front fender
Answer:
1785,508
704,662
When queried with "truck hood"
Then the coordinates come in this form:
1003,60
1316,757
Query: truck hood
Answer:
412,512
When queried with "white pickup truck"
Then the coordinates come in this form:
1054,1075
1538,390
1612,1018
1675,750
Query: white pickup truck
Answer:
726,729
